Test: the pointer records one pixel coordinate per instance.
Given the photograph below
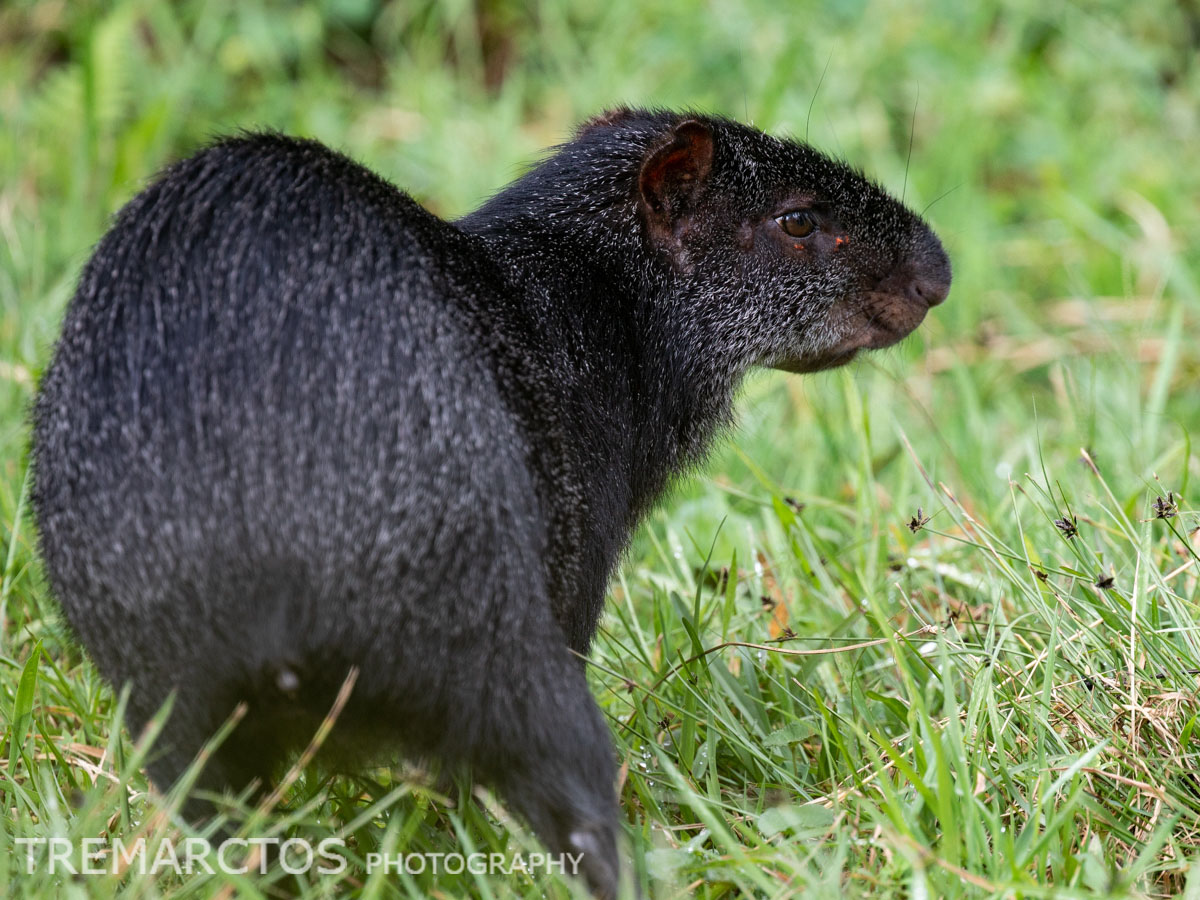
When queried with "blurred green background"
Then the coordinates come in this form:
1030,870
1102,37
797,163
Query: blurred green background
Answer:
1056,149
1053,143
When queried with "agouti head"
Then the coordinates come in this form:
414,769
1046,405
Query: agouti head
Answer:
795,260
822,262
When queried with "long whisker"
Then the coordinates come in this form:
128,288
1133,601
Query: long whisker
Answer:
940,196
820,81
912,130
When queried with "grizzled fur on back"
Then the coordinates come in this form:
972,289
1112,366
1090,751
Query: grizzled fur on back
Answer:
296,424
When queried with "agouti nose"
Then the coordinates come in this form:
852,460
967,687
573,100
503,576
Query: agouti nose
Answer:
930,291
922,276
930,279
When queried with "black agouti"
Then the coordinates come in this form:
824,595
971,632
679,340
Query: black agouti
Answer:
296,424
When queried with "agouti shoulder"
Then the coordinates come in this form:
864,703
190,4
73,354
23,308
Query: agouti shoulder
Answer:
297,425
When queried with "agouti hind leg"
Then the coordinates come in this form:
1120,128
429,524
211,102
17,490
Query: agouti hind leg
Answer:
231,767
547,749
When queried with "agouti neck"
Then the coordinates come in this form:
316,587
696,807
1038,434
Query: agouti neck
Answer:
643,389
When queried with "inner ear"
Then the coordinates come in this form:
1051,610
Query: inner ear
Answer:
674,174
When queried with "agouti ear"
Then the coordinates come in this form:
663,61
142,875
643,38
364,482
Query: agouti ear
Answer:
674,173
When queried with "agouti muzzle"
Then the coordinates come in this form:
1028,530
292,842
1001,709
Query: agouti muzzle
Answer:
297,424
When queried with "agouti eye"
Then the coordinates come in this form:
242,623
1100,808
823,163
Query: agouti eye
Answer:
798,223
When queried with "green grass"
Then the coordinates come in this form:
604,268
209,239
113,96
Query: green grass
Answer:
956,711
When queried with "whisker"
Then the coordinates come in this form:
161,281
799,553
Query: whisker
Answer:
820,81
912,130
940,196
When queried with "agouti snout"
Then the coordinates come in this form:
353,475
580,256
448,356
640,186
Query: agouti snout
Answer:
296,424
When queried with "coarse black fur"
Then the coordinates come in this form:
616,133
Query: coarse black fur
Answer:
296,424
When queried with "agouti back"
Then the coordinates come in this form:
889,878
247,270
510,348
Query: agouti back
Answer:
297,424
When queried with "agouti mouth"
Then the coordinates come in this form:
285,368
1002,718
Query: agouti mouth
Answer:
875,320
